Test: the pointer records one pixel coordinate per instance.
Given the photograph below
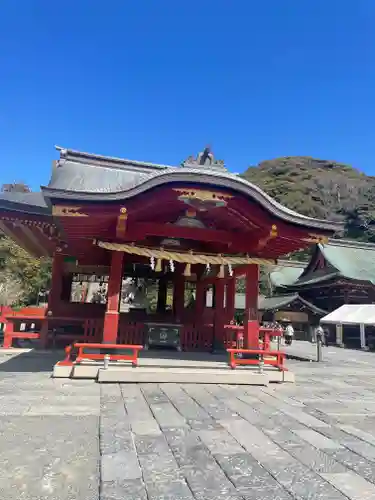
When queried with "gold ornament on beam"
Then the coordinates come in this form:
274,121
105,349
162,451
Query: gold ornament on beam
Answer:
316,238
271,235
121,223
67,211
158,268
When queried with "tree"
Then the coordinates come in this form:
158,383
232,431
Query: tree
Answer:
10,290
32,274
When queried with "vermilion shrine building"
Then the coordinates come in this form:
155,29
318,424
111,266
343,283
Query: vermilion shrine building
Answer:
196,223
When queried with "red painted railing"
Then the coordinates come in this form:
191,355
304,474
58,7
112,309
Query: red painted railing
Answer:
197,338
131,333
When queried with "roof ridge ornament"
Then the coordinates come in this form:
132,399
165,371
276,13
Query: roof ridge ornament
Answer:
205,159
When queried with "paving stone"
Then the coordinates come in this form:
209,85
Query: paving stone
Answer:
352,485
220,441
317,460
213,406
253,440
115,438
207,484
317,439
283,437
123,490
275,492
354,431
153,394
47,457
151,444
358,464
172,490
146,427
188,408
156,468
204,425
120,466
302,482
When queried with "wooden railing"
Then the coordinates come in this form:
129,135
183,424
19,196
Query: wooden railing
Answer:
131,333
197,338
53,329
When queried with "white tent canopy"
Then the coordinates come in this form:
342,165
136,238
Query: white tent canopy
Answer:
352,314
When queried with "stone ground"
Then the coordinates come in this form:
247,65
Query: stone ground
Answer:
78,440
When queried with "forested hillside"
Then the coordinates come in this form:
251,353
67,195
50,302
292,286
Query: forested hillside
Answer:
322,189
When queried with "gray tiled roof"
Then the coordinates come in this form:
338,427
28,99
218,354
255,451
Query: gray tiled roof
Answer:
279,301
284,275
26,202
344,258
92,177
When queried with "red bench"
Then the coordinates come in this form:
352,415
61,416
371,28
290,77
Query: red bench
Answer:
273,358
81,354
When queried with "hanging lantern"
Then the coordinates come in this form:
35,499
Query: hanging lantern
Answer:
171,266
187,271
230,269
208,268
158,267
152,263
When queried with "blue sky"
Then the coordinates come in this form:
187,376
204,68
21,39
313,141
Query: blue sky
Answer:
158,80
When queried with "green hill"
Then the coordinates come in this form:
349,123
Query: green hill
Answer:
320,188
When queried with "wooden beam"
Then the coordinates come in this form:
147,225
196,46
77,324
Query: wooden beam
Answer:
31,236
143,229
19,241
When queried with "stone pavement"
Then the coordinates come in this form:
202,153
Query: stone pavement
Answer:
331,354
78,440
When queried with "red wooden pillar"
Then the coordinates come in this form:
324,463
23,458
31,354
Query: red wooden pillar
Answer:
54,297
251,323
111,318
231,296
179,294
219,314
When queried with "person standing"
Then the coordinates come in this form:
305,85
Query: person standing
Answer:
289,334
320,335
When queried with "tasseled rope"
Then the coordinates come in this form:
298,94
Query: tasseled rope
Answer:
187,271
221,272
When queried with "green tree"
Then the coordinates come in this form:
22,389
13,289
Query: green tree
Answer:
31,274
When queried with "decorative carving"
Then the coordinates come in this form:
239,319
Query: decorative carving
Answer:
271,235
121,222
67,211
204,159
203,196
316,238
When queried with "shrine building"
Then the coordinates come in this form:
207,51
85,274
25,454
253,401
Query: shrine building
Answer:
176,233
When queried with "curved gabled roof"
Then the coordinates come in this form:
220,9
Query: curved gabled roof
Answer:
350,259
85,177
